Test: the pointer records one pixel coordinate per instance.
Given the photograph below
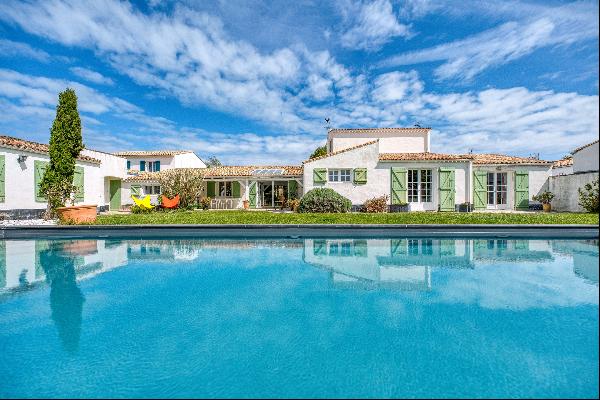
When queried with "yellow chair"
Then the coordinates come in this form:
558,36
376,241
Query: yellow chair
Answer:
143,203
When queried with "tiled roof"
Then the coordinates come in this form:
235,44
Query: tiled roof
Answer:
421,157
246,170
151,153
340,151
378,130
584,146
565,162
143,177
34,147
496,159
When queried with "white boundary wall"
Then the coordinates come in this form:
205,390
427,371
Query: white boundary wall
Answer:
565,187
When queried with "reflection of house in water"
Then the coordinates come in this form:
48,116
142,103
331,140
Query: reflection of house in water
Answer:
511,250
396,263
584,254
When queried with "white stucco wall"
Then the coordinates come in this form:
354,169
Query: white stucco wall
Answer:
566,190
186,160
562,170
379,176
389,142
586,159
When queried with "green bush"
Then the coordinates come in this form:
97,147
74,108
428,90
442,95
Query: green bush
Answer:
589,197
324,200
135,209
205,203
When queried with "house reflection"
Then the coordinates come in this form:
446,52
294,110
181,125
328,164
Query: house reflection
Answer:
584,254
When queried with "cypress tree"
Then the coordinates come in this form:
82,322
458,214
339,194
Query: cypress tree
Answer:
65,145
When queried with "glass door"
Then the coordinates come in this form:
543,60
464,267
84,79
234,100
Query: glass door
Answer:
280,194
266,194
497,189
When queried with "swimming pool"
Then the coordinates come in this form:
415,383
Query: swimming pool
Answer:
309,317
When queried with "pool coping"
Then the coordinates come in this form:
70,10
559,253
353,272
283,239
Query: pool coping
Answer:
553,231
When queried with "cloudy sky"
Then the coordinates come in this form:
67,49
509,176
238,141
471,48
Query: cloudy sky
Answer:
252,81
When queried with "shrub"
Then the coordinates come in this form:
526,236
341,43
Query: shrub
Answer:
293,204
135,209
376,204
205,203
324,200
544,197
188,183
589,197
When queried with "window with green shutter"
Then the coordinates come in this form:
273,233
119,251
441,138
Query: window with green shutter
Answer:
78,182
252,194
157,166
2,180
479,189
446,189
39,168
398,189
360,176
142,165
210,189
319,175
128,165
292,190
135,190
522,190
236,190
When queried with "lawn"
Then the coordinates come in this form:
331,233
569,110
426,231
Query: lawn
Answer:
256,217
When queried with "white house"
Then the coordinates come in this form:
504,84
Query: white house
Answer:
157,160
585,158
98,176
397,162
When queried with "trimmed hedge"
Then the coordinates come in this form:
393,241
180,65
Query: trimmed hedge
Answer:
324,200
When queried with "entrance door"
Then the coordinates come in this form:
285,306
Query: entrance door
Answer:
115,195
497,190
266,194
281,192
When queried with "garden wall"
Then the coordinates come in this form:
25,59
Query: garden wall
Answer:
565,188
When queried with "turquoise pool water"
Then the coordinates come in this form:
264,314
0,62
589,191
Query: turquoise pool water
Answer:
305,317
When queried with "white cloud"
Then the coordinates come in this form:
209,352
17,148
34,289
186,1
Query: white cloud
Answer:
91,76
9,48
370,24
466,58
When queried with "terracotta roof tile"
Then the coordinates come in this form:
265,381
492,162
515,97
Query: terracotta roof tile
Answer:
247,170
584,146
151,153
379,130
341,151
421,157
565,162
496,159
479,159
34,147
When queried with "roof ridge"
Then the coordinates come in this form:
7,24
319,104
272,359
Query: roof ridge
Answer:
584,146
382,128
37,147
340,151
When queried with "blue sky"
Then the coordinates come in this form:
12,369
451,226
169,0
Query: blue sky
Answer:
252,81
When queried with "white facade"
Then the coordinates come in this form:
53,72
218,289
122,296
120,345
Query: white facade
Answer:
586,158
182,160
401,140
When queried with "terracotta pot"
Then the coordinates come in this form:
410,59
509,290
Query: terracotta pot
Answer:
77,214
546,207
246,204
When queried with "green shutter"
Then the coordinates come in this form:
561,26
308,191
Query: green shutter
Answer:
397,247
319,175
360,176
135,190
319,247
210,189
78,182
156,166
142,165
39,168
522,190
2,180
292,190
446,189
235,190
252,194
128,165
399,177
479,190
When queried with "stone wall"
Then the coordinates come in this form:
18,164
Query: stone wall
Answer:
565,188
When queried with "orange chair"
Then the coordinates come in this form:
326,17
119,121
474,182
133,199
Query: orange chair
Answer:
170,203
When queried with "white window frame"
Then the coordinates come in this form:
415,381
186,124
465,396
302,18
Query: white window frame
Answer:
341,175
496,189
422,187
154,189
222,186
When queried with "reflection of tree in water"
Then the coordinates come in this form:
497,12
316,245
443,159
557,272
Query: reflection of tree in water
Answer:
66,299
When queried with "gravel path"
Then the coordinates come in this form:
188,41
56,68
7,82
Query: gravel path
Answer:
17,222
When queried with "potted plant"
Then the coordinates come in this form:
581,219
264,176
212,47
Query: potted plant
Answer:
66,143
402,207
545,198
246,204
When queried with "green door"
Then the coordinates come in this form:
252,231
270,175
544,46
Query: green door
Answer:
479,190
399,176
446,189
252,194
522,190
115,195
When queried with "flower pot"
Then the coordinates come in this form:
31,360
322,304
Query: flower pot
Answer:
547,207
246,204
77,214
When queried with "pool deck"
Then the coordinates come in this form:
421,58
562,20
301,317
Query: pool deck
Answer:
300,230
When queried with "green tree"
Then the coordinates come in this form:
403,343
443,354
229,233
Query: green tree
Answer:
65,145
213,162
319,151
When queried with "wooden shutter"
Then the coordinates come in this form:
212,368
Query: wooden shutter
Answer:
135,190
398,192
446,189
360,176
522,190
210,189
319,175
39,169
2,179
156,166
142,165
235,190
78,182
479,189
292,190
128,165
252,194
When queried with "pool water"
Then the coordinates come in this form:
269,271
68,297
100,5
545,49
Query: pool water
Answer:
299,318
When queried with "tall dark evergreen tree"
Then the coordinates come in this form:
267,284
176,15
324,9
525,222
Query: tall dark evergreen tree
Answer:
65,145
